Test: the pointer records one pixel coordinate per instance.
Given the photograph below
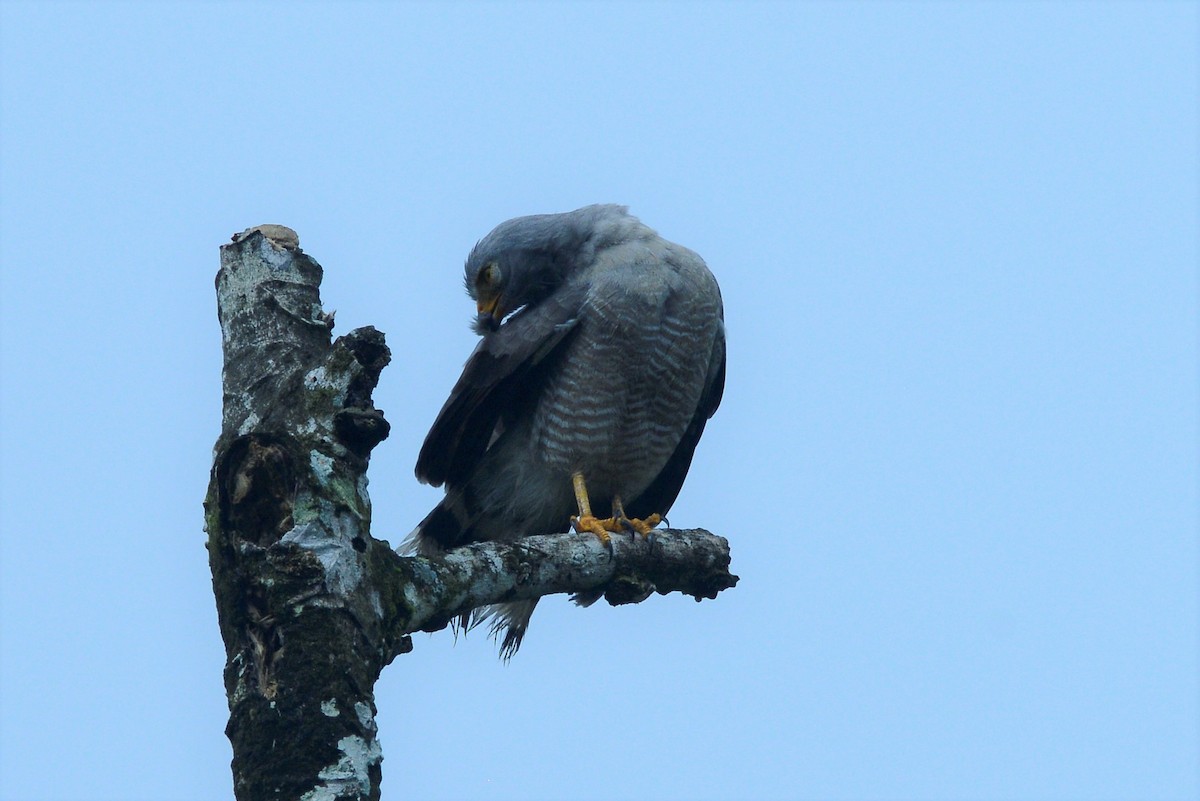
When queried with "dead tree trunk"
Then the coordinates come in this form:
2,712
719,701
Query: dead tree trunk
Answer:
311,607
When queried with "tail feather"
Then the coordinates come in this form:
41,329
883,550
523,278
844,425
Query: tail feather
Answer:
446,527
510,619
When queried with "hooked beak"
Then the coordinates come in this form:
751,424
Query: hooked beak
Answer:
490,313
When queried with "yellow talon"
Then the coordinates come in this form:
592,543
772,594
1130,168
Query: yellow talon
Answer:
623,523
592,524
617,524
646,525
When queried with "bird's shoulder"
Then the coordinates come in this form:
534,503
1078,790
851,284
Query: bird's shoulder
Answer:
650,268
652,273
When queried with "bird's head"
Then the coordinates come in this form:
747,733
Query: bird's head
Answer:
523,260
485,285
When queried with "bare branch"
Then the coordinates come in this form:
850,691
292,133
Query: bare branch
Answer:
436,589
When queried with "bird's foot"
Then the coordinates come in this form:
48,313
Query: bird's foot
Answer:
588,523
642,526
616,524
602,527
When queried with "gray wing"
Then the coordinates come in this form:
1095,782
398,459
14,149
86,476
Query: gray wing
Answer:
503,371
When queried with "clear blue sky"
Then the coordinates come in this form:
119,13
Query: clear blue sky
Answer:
957,457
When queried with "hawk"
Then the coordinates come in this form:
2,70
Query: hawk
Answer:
602,357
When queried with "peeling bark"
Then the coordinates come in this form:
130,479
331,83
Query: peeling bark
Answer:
311,606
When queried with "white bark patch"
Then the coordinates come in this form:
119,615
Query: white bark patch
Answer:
319,378
412,595
365,718
322,466
334,551
253,269
329,708
249,424
351,775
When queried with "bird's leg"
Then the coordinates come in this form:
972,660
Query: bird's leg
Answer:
586,521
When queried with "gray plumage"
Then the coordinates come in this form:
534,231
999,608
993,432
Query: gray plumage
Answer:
603,352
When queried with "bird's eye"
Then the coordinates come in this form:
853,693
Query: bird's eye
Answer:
489,276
